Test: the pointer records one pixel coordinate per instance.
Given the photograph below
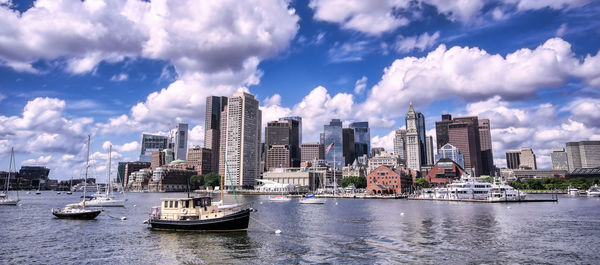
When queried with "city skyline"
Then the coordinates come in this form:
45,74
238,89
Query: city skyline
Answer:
532,70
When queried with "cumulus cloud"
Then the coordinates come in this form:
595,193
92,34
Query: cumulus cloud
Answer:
360,85
472,74
385,141
42,160
119,77
196,136
125,148
420,43
349,51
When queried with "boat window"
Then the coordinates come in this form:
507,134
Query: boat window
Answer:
166,204
176,202
186,204
170,204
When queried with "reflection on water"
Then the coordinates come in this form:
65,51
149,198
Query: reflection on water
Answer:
353,231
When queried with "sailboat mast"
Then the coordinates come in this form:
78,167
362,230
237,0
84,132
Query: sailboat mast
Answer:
87,162
109,160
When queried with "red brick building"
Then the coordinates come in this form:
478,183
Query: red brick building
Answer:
389,180
201,159
444,171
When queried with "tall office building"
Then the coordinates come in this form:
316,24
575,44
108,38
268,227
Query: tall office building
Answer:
281,144
559,159
223,142
180,147
584,154
527,158
513,159
152,143
429,149
413,146
312,151
199,158
243,138
485,140
348,146
400,144
332,134
212,129
451,152
362,138
463,133
295,138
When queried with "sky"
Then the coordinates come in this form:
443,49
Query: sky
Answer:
115,69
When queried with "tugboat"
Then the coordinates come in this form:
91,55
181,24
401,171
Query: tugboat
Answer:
199,214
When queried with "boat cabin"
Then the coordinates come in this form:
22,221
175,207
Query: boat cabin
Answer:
199,208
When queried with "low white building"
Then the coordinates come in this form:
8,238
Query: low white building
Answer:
272,186
300,178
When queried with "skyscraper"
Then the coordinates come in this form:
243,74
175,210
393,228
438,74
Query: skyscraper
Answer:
463,133
181,136
332,134
312,151
400,144
295,138
212,129
242,150
429,149
485,140
584,154
559,159
513,159
152,143
362,138
528,158
348,145
413,146
280,144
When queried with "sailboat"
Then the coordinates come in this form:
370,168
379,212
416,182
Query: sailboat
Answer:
106,199
38,192
69,192
75,212
4,199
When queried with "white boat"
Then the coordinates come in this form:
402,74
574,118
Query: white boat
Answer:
106,199
503,192
58,192
75,212
280,198
311,199
593,191
572,191
4,198
38,192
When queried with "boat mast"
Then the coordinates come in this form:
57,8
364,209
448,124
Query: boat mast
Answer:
109,188
87,162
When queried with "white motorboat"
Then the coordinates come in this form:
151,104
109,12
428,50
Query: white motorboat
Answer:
280,198
572,191
503,192
593,191
311,199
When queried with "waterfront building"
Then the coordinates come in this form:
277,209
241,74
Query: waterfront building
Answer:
444,171
429,150
281,144
583,154
513,159
302,179
538,173
376,150
180,147
389,180
212,128
165,179
223,143
152,143
527,158
354,170
158,160
243,139
362,138
169,156
332,134
559,159
383,159
32,176
414,149
312,151
138,181
131,167
463,133
348,145
295,138
450,152
400,144
485,140
200,159
121,173
584,173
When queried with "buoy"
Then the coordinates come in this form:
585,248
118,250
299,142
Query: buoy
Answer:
336,203
123,218
277,231
260,202
401,213
134,205
507,207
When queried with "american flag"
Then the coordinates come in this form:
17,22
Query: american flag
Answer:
329,148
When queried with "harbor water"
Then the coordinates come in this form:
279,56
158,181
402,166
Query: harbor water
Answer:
348,231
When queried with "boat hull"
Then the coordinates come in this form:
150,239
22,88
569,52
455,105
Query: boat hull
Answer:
312,201
87,215
111,203
9,202
230,223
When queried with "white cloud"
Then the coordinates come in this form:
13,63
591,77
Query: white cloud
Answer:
360,85
561,30
42,160
385,141
196,136
119,77
421,42
349,51
125,148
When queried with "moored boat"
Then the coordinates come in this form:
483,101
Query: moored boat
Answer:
280,198
593,191
4,198
572,191
311,199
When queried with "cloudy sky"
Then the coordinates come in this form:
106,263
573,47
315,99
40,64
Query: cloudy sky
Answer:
114,69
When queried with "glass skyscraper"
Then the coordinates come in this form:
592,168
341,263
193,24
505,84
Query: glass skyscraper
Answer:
332,133
362,138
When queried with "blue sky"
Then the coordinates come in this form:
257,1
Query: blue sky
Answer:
116,69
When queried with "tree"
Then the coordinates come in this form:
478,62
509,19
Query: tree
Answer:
361,182
212,179
358,182
422,183
196,181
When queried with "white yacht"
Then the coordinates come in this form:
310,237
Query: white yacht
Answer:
503,192
572,191
593,191
468,188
